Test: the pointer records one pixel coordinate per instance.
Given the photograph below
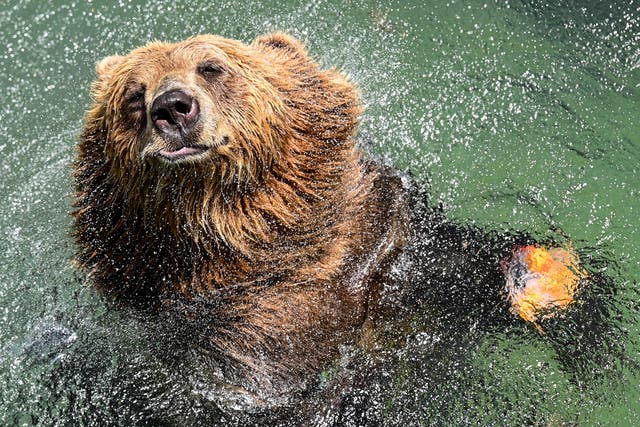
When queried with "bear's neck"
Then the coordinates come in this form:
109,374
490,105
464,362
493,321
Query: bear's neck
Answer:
289,228
149,233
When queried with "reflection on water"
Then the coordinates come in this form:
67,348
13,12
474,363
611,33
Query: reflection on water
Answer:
522,115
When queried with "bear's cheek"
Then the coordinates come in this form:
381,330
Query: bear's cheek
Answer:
133,120
128,135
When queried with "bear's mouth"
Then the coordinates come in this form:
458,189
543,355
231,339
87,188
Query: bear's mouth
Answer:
176,152
182,153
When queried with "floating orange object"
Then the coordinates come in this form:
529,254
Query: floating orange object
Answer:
541,281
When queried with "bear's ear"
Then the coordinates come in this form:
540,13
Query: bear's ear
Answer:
105,67
281,42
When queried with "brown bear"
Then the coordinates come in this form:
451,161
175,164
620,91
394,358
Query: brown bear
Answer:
226,177
228,172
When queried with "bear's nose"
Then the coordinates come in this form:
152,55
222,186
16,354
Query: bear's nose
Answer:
175,111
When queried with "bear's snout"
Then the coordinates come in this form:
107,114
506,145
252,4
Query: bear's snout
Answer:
175,113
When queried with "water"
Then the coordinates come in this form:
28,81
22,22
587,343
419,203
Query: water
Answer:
521,114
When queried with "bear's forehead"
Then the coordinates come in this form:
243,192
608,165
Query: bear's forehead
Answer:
150,64
190,51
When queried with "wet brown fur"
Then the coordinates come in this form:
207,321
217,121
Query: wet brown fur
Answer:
273,227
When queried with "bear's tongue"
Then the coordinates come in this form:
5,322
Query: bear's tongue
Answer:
182,152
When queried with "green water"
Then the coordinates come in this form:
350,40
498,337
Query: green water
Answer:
522,114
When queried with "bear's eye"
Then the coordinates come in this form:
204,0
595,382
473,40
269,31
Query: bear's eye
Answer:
134,96
210,69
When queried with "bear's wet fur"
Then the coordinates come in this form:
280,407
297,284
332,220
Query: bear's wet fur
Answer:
272,218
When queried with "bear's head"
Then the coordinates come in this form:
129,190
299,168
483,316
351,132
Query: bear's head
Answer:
215,102
210,136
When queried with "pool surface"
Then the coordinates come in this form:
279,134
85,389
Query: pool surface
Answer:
522,115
